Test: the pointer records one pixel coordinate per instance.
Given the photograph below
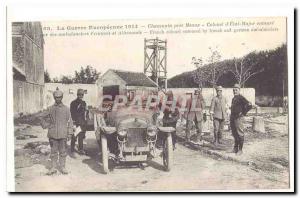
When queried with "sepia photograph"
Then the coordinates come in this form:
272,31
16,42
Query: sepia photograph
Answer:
151,105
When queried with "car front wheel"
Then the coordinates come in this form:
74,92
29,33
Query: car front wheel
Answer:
104,154
168,153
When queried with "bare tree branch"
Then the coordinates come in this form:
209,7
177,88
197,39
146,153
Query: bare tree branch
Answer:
252,74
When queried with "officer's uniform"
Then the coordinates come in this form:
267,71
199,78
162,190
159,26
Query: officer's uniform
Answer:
218,109
195,108
78,112
239,108
61,126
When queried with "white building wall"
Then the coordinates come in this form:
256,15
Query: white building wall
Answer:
28,97
70,93
208,93
108,79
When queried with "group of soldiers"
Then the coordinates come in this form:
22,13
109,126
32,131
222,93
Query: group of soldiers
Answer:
65,121
219,110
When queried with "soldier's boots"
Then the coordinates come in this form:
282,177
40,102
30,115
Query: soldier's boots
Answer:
216,143
240,146
241,143
187,140
62,163
52,169
219,140
64,171
188,136
216,140
200,141
235,148
73,155
81,152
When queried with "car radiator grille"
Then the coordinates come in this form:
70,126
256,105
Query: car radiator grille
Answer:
136,137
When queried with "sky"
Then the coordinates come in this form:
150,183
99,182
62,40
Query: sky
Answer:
65,54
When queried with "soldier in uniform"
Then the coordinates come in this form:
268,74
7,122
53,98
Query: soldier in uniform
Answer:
59,131
239,108
218,115
195,108
78,109
171,116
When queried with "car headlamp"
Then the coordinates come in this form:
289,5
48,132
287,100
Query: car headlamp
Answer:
151,131
122,132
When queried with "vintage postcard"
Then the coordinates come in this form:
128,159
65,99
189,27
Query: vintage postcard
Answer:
169,104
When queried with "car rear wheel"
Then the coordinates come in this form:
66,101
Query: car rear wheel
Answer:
168,153
104,154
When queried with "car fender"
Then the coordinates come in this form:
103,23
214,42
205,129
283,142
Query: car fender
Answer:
104,130
166,129
108,130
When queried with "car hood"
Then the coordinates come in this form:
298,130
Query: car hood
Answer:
130,118
133,122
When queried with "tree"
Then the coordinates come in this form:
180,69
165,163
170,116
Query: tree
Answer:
244,69
197,74
47,78
210,73
272,81
66,79
55,80
87,75
214,58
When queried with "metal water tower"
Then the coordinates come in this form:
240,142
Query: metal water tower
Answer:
155,61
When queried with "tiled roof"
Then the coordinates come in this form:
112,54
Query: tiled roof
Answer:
135,78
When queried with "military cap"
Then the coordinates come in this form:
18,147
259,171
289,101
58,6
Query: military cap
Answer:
197,91
219,88
236,86
169,92
80,92
57,93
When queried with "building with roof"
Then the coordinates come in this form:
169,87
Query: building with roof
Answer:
118,82
28,67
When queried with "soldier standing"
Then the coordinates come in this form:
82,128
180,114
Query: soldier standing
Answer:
195,108
171,116
239,108
218,114
60,130
78,109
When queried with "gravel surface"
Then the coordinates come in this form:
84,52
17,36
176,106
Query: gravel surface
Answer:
193,169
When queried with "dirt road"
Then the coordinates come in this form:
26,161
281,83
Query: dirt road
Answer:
192,171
